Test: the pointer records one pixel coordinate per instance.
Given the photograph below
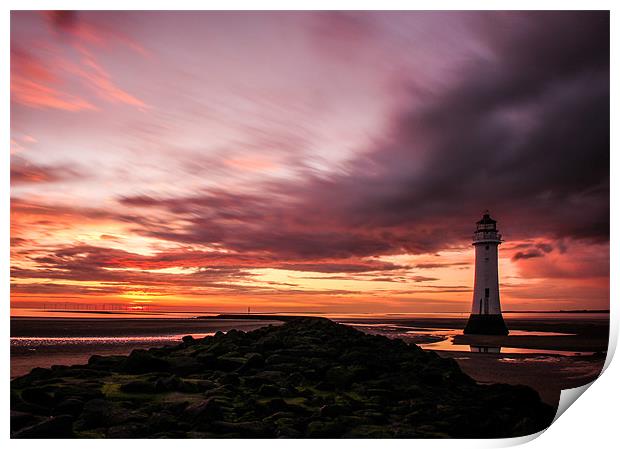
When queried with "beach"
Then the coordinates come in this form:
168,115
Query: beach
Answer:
546,363
309,377
43,342
547,352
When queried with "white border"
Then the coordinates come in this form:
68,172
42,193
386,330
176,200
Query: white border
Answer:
590,423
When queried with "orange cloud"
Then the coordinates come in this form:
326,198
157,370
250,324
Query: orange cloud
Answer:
35,83
31,85
101,81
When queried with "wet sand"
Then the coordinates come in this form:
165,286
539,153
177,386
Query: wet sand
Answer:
123,327
548,374
142,333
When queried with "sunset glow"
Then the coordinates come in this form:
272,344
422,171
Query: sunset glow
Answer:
319,162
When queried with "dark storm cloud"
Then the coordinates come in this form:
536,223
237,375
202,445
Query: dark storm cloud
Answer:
62,20
527,255
524,131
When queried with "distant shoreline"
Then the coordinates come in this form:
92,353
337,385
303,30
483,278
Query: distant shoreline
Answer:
289,315
555,311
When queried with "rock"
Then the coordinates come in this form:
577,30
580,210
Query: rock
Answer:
288,432
139,386
228,363
323,429
230,380
295,379
20,420
162,422
307,378
70,406
277,405
204,385
373,416
269,390
37,374
54,427
219,391
207,359
255,382
340,376
204,410
332,411
106,363
272,376
18,404
221,347
95,413
83,392
277,359
248,429
38,395
254,360
184,365
130,430
141,361
366,431
168,383
83,373
325,386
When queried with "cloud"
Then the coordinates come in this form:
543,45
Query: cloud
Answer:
439,265
41,75
520,127
34,85
527,255
90,257
580,260
94,75
62,20
423,279
26,172
524,132
91,29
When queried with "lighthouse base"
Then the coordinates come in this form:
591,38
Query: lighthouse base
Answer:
486,325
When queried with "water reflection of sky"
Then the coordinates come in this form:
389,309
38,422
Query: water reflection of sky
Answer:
446,339
112,341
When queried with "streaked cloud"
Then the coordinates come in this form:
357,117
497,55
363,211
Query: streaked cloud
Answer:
311,160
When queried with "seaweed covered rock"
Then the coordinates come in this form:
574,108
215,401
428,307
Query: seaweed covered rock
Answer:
308,378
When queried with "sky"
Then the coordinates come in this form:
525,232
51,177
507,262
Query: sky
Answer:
329,162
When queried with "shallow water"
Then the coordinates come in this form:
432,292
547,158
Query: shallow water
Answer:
35,342
447,344
447,339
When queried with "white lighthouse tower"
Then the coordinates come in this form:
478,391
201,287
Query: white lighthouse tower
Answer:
486,313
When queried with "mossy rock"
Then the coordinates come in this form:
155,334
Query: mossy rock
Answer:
309,378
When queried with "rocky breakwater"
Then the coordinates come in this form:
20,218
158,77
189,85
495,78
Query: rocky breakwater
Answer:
307,378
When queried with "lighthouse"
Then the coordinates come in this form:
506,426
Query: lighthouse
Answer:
486,313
